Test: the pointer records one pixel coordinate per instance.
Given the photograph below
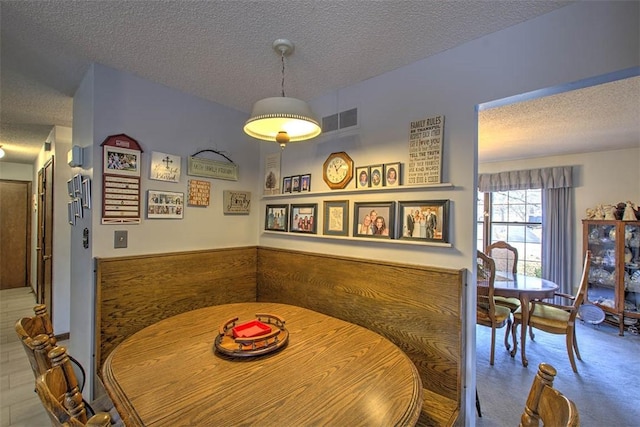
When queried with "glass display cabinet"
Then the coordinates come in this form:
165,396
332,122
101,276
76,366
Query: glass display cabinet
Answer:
614,275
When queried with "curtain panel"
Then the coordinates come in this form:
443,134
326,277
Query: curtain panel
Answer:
559,177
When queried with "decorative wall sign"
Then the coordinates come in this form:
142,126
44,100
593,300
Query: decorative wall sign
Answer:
164,205
121,180
165,167
425,151
199,192
272,174
336,218
236,202
212,169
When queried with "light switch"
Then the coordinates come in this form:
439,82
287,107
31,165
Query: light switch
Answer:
120,239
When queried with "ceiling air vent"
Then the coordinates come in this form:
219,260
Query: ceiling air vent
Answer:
342,120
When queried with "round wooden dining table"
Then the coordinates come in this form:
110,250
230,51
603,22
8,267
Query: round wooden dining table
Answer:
331,372
525,288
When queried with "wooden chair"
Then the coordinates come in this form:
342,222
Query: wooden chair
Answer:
505,257
61,397
558,319
488,313
547,404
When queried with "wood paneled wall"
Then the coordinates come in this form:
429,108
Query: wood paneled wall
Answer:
135,292
418,308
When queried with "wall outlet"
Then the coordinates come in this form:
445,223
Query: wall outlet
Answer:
120,239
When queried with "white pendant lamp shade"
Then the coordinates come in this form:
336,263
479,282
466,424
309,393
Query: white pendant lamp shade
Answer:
1,152
282,114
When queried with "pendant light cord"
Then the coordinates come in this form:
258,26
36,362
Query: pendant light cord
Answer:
282,59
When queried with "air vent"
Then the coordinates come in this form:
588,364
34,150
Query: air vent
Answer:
342,120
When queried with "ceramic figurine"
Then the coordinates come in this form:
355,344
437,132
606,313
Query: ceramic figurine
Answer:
591,213
629,214
609,212
599,213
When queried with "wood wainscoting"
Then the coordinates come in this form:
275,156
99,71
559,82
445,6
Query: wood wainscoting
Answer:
135,292
416,307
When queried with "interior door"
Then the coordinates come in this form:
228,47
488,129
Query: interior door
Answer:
15,232
47,237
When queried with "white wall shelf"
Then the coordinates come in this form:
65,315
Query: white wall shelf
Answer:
288,234
401,188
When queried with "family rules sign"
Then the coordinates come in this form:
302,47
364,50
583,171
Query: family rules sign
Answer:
425,151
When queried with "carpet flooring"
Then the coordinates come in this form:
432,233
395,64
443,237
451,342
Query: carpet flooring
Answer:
606,388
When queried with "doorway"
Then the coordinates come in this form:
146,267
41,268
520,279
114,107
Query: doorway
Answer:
44,250
15,227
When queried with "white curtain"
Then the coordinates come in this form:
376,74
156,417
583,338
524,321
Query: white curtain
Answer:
557,215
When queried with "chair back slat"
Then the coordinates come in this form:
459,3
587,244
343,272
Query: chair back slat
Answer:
504,255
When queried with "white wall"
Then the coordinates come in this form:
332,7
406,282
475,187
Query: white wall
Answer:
573,43
164,120
16,171
604,177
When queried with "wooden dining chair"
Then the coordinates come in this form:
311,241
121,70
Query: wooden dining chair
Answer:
488,313
505,257
60,394
547,404
556,318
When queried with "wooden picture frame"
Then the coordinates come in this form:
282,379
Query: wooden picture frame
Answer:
363,177
305,182
376,176
304,218
276,218
295,184
392,174
374,219
164,204
335,218
286,184
426,220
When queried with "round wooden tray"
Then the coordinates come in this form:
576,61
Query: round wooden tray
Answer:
229,345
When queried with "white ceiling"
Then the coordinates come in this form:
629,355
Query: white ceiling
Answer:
221,51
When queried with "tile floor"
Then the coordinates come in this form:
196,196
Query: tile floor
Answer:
20,406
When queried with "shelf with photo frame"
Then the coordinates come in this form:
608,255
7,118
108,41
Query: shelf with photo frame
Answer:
328,192
358,239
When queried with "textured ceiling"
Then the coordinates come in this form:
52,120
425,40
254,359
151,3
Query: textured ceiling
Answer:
220,50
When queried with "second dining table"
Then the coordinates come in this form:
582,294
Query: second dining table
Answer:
331,372
525,288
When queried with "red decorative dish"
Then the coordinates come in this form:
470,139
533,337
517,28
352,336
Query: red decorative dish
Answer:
256,337
251,329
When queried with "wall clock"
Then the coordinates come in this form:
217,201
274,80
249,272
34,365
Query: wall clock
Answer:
337,170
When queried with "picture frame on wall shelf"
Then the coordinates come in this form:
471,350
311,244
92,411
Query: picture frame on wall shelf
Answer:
295,184
286,184
276,218
336,218
374,219
376,173
304,218
392,174
363,177
426,220
305,182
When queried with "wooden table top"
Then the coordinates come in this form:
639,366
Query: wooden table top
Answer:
331,372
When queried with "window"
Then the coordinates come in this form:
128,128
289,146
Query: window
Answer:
515,217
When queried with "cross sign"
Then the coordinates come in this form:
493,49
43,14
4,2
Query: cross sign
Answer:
167,160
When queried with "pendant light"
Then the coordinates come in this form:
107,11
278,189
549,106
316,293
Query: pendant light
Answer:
282,119
1,152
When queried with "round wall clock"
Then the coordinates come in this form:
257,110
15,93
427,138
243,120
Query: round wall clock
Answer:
337,170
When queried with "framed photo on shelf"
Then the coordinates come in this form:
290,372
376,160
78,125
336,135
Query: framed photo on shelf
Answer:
164,205
377,176
374,219
305,182
426,220
295,183
276,218
362,173
304,218
286,184
392,174
336,218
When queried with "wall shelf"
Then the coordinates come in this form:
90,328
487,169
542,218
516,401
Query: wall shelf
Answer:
401,188
357,239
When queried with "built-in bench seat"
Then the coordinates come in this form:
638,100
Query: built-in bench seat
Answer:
418,308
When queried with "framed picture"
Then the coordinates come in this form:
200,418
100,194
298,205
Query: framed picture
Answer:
164,205
286,184
71,215
304,218
424,220
377,174
392,174
70,188
305,182
121,161
336,218
276,217
86,193
295,183
77,185
362,173
374,219
77,208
